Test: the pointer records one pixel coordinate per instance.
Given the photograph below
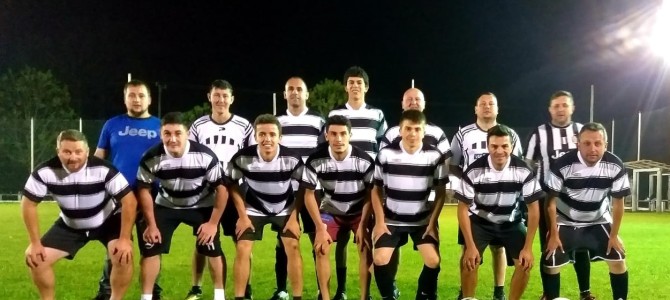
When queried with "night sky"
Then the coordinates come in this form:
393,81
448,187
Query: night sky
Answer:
520,50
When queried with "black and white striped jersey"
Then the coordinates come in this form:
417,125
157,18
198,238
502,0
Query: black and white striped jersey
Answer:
434,135
301,133
549,142
225,139
470,143
495,195
407,180
185,182
345,183
367,126
584,193
86,198
269,189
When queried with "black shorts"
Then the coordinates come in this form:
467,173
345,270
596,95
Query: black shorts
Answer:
64,238
461,240
398,237
229,218
512,236
277,224
167,221
593,238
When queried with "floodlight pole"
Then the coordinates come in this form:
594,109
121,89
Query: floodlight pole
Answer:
160,87
591,108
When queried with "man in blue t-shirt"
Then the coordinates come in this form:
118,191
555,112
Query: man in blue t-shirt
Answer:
123,140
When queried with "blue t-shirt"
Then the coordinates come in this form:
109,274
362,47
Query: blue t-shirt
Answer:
125,139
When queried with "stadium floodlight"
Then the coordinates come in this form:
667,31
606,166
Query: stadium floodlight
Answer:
660,36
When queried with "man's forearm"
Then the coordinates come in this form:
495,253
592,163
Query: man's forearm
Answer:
147,205
220,202
464,224
551,214
313,208
376,200
533,223
237,200
617,215
440,197
128,215
30,218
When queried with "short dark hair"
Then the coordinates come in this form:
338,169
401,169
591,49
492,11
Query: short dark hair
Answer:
136,82
561,93
499,131
356,71
414,116
485,94
593,126
174,117
72,135
338,120
221,84
267,119
296,77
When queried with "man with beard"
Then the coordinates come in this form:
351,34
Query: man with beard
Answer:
123,140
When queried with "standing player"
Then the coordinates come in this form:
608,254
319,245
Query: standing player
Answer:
583,184
468,144
191,191
89,192
268,170
414,99
345,173
301,131
492,190
123,140
405,173
225,133
367,127
547,143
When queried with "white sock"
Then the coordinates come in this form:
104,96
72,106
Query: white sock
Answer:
147,297
219,294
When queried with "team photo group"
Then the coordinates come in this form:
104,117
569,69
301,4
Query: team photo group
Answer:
338,178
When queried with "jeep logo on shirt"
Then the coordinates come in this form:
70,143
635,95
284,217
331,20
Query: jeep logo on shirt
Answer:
149,134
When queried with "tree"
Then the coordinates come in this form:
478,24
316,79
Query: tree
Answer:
326,95
30,93
196,112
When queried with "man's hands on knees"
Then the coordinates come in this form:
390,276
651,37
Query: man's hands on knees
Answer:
526,259
35,255
207,232
293,227
152,235
379,230
471,258
362,238
243,223
322,240
123,251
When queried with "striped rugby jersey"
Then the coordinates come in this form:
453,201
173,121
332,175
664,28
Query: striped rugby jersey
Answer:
584,193
345,183
470,143
549,142
269,190
407,180
301,133
434,136
495,195
367,126
185,182
225,139
86,198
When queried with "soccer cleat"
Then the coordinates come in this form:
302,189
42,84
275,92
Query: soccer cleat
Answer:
280,295
499,297
102,296
340,296
586,296
194,294
543,297
248,295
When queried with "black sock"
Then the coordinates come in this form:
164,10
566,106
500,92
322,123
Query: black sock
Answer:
619,283
552,286
247,291
428,281
460,293
341,280
280,267
297,297
384,276
543,277
582,267
196,289
498,291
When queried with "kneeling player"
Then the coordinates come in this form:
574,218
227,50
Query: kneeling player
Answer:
488,210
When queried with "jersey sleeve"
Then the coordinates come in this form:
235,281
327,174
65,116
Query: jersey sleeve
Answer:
533,149
465,190
105,137
554,180
378,177
193,133
35,189
116,185
620,184
518,148
309,176
456,150
531,189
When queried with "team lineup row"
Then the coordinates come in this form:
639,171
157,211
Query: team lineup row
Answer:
369,180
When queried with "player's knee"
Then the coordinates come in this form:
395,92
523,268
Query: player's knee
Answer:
243,249
497,251
551,271
432,261
381,259
617,267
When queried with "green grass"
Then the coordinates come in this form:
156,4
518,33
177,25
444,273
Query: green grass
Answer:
646,237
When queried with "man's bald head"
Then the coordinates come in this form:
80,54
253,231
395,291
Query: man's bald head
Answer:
413,99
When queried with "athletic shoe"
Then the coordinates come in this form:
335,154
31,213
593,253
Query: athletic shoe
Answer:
586,296
280,295
340,296
102,296
194,294
499,297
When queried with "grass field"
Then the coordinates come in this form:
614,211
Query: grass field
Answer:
646,236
